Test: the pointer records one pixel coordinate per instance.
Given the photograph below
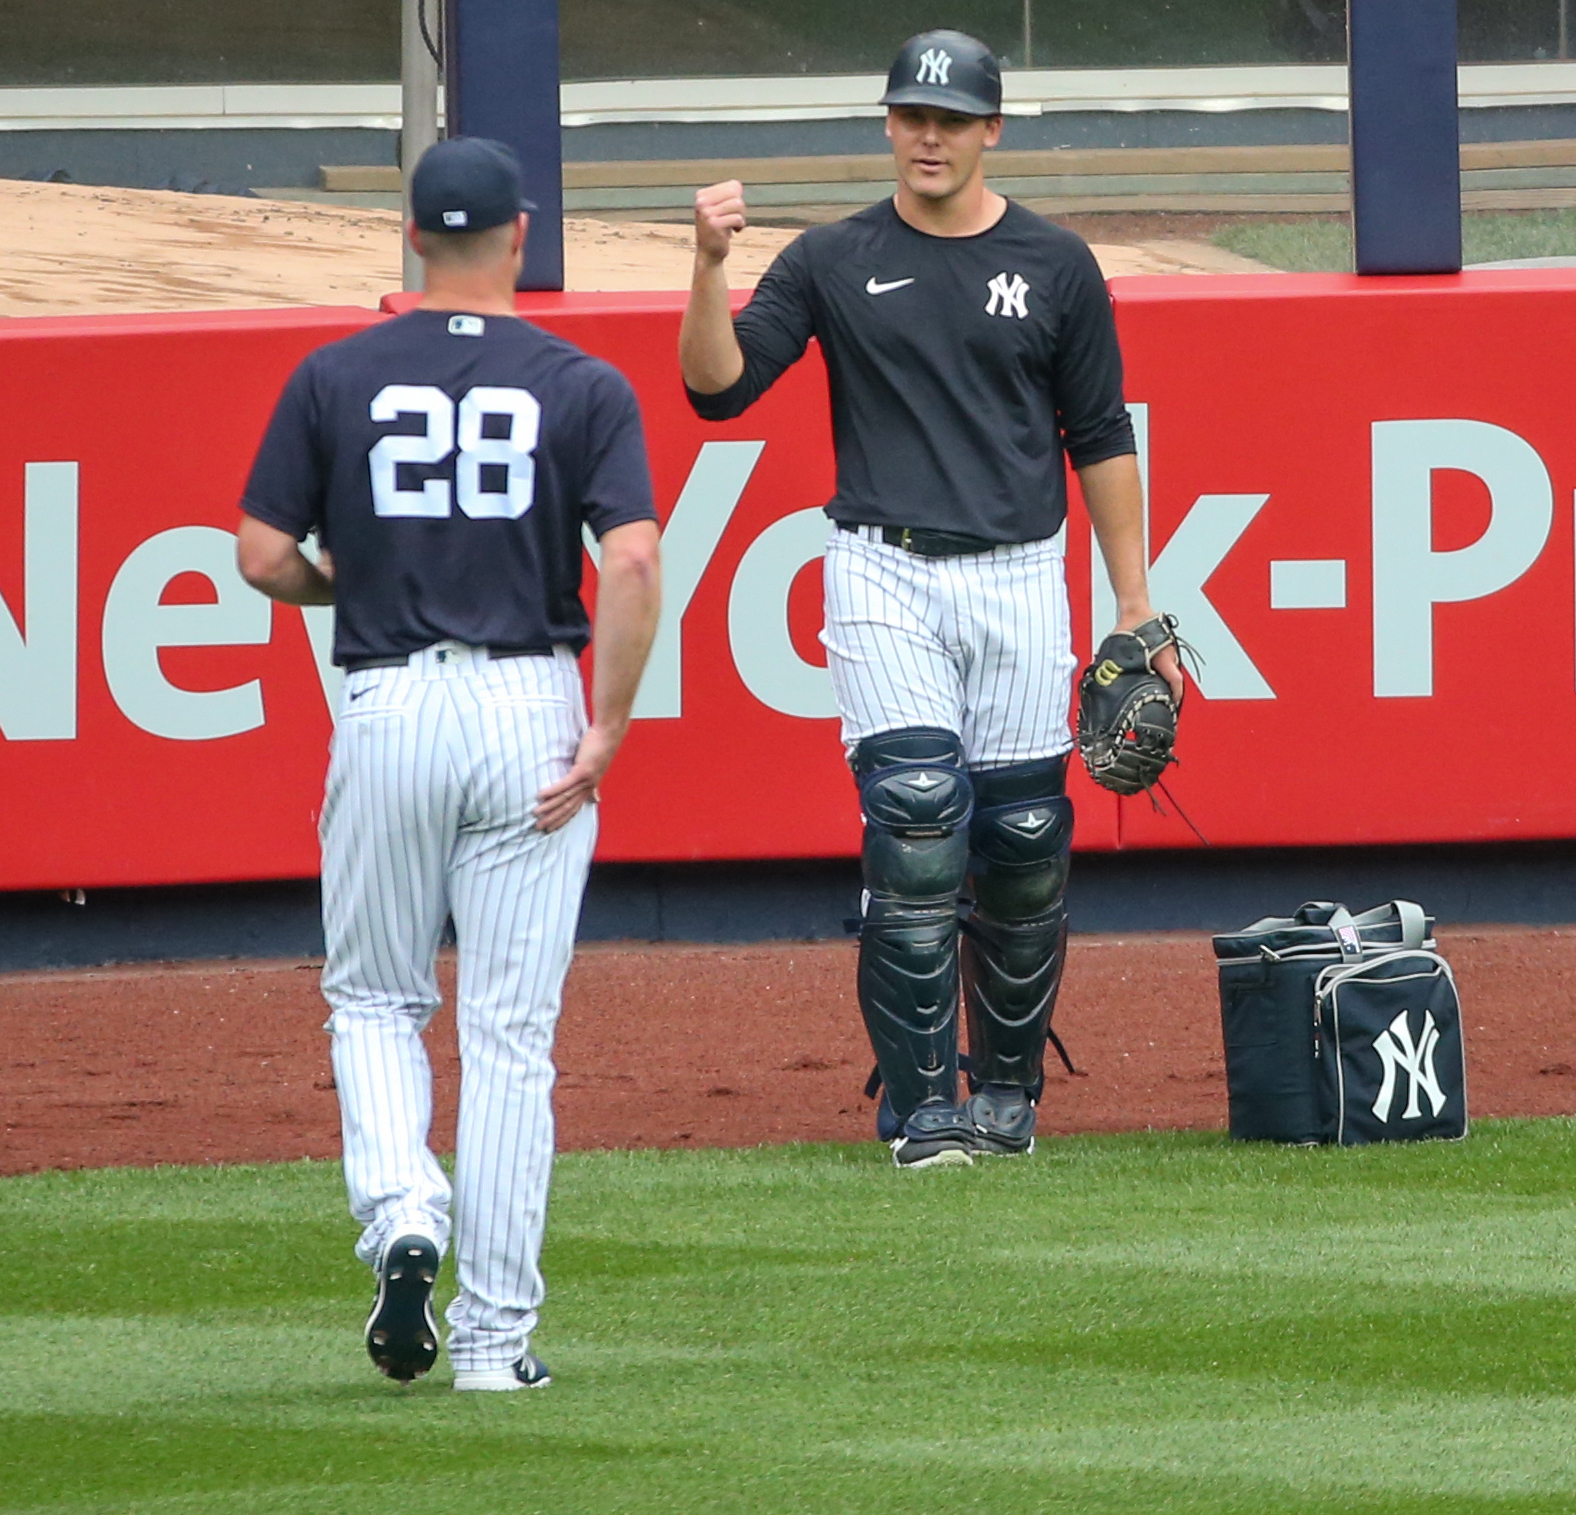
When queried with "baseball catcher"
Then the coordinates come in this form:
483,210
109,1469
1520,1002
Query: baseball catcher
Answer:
972,355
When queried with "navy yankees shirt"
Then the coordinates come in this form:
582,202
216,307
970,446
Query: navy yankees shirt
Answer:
448,462
961,368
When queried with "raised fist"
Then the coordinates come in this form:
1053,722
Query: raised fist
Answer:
719,212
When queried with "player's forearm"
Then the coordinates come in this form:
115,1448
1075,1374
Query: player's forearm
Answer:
297,583
709,353
272,563
1114,498
628,599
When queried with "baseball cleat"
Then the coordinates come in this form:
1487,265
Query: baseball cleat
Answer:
937,1135
1002,1117
529,1373
402,1334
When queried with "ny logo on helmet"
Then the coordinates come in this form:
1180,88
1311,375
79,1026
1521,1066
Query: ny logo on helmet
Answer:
935,64
1007,297
1400,1054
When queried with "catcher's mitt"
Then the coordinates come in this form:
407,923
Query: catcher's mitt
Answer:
1127,715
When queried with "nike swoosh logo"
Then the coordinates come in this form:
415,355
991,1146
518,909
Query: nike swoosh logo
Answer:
358,693
872,287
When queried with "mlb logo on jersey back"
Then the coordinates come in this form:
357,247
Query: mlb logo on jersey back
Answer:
935,63
1008,296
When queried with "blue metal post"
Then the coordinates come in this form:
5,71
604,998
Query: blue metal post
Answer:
1406,152
502,82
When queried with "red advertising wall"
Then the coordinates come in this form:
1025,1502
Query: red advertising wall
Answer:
125,444
1360,502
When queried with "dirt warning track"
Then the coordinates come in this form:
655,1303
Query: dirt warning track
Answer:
670,1046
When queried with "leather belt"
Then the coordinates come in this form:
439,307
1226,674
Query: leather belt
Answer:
402,659
926,543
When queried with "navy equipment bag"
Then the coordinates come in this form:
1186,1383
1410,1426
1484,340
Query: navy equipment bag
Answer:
1341,1028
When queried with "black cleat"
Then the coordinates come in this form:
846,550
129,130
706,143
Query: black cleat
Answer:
402,1335
1002,1117
937,1135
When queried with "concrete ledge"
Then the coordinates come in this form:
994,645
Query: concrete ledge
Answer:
1266,179
1059,162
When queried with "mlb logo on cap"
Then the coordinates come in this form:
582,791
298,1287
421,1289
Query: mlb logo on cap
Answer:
466,184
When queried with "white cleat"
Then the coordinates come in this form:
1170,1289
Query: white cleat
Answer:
529,1373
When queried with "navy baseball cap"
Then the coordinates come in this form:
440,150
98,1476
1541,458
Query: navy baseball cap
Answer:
466,184
946,69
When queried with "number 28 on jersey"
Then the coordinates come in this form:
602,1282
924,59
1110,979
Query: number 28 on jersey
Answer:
493,433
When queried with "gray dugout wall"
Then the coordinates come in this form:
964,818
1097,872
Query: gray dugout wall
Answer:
96,43
63,43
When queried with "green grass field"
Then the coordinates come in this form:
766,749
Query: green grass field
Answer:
1314,246
1120,1324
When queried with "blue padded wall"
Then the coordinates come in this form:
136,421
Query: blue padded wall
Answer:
502,82
1406,157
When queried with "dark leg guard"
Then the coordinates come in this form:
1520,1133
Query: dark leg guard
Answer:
1011,975
1014,943
908,993
916,800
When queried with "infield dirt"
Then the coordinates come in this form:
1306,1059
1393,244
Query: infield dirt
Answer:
72,249
676,1046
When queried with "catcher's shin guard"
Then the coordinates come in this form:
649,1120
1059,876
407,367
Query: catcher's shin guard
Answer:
916,800
1015,937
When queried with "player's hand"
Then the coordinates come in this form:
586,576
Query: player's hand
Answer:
325,564
719,212
1166,664
559,803
1169,667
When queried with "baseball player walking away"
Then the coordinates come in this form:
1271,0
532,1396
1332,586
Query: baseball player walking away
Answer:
447,460
969,345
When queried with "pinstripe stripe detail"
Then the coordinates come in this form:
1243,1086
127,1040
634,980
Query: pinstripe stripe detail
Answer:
434,773
979,644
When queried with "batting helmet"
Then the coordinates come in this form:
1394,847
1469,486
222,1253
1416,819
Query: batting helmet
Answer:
946,69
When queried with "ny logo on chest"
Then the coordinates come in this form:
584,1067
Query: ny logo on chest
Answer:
1009,296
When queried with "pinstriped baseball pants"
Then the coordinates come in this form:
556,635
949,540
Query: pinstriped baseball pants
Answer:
434,773
980,645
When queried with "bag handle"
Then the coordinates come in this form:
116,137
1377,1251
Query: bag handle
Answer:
1337,920
1319,913
1412,917
1414,923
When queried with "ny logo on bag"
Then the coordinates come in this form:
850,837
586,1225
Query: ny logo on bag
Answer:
1008,298
1399,1053
934,66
